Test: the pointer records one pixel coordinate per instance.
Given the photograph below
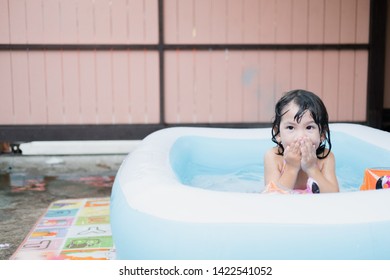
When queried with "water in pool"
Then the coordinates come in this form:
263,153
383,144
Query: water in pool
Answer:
236,165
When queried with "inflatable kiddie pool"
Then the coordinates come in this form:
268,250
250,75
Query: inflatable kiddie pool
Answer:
195,193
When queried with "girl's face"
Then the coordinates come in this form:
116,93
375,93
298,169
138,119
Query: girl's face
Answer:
292,131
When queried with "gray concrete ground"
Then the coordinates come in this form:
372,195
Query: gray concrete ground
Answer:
28,184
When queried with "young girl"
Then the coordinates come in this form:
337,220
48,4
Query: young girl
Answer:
300,163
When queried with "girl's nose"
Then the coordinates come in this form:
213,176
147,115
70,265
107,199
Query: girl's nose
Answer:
299,135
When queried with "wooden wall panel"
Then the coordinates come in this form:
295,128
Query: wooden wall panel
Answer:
79,87
243,86
113,86
79,21
266,22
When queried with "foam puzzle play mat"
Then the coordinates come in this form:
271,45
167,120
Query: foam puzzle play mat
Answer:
71,229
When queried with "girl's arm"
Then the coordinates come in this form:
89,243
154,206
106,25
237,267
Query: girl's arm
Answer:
273,165
325,177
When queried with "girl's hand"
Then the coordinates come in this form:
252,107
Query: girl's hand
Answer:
309,157
292,155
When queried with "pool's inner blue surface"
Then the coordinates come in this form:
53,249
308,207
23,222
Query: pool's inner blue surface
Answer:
237,164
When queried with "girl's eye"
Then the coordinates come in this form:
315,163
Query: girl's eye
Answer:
290,127
310,127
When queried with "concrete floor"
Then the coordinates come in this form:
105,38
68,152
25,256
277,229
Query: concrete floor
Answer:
28,184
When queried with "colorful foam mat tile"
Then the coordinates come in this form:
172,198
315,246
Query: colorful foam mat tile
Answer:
73,229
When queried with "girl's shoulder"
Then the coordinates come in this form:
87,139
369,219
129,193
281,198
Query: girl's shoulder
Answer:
273,155
273,152
330,155
328,160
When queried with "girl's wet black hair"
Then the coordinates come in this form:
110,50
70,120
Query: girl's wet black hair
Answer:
306,101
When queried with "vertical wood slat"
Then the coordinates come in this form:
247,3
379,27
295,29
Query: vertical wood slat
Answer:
233,70
4,21
267,21
202,89
250,84
346,86
119,20
298,69
120,87
202,13
332,21
316,21
104,87
136,22
300,19
34,21
68,21
21,87
283,29
362,21
51,22
360,86
348,21
87,87
17,22
152,82
314,72
250,25
218,26
185,16
185,86
234,18
151,28
171,92
330,83
71,95
54,87
265,92
6,82
38,102
218,89
86,20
